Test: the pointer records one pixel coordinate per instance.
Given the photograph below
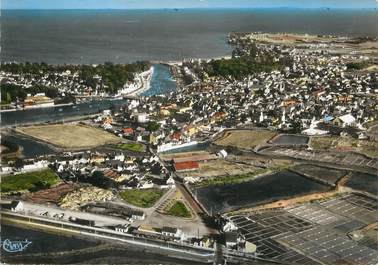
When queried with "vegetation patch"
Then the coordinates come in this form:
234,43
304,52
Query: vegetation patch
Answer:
222,180
245,139
135,147
179,209
33,181
142,197
70,136
241,67
113,76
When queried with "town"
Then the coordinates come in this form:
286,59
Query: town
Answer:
269,155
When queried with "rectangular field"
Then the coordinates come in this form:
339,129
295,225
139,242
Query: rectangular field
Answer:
70,136
245,139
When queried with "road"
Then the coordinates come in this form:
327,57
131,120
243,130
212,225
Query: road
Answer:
204,255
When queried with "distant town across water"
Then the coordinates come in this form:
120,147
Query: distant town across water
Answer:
161,83
122,36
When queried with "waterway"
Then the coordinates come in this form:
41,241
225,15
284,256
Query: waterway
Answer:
290,139
227,197
161,81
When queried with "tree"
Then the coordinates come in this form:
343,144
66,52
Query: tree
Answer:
153,126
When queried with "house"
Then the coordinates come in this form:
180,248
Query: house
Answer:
152,139
345,120
231,239
170,181
169,231
176,136
121,228
138,215
222,153
128,131
327,118
34,165
190,130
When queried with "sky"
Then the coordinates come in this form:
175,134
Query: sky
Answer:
153,4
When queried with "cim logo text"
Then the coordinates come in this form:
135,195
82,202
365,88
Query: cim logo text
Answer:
15,246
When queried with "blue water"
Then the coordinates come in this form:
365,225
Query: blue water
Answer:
161,81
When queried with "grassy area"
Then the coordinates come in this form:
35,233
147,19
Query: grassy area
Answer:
142,197
70,136
238,178
179,209
32,181
335,143
135,147
245,139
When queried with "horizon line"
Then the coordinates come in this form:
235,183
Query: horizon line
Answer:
188,8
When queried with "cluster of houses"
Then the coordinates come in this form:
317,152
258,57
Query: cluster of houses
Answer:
317,87
114,167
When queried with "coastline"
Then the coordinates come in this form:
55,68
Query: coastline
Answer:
145,82
38,107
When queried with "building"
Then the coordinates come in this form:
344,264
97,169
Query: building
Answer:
345,120
250,247
169,231
38,100
186,166
122,228
231,239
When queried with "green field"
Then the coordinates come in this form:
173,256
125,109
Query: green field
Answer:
142,197
32,181
179,209
135,147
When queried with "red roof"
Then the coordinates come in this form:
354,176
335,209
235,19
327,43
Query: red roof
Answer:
186,165
128,130
176,136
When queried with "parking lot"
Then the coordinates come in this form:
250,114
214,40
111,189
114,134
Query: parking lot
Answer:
329,157
317,229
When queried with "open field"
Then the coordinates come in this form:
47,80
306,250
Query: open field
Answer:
179,209
70,136
245,139
334,143
32,181
142,197
135,147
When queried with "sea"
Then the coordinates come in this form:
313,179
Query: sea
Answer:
121,36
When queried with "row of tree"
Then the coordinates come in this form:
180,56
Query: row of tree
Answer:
112,77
